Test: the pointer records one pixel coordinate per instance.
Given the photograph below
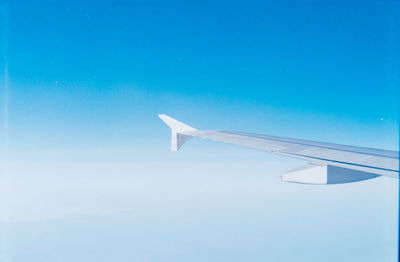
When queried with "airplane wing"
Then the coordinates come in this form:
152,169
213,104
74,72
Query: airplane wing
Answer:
327,163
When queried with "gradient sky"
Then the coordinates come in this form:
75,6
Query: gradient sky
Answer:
86,170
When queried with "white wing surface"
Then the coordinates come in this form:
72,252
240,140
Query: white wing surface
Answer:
327,163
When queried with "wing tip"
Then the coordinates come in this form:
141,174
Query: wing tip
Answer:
174,124
177,127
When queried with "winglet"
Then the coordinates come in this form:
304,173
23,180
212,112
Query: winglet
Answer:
177,138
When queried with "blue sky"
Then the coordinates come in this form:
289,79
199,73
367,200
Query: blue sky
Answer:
88,162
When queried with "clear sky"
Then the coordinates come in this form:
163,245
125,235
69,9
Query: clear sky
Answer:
86,171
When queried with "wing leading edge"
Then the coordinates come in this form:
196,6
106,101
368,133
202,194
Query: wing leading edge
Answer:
328,163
